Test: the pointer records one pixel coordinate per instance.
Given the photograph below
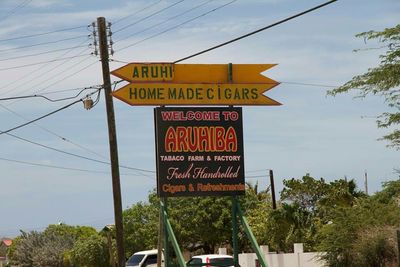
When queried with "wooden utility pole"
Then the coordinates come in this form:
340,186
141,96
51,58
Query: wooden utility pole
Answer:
116,185
271,178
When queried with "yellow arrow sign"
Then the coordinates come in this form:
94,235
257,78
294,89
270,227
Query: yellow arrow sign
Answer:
193,73
195,94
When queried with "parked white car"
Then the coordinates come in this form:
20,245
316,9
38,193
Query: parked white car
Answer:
210,259
146,258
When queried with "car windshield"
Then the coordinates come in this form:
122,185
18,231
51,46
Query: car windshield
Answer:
135,260
222,261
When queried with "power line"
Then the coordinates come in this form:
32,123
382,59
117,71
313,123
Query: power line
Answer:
256,31
137,12
64,90
41,53
61,167
16,9
39,63
58,150
60,80
149,16
312,84
23,78
76,155
68,76
45,97
56,75
43,43
43,33
53,133
49,166
41,117
168,19
177,26
44,116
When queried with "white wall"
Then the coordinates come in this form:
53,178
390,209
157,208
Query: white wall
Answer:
296,259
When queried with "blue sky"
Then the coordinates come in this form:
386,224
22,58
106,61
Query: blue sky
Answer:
329,137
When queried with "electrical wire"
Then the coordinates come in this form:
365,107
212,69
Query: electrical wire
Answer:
149,16
22,79
58,150
62,138
63,168
177,26
77,89
165,21
256,31
41,53
38,63
56,75
41,117
60,80
68,76
16,9
44,97
58,135
43,43
137,12
50,166
43,33
76,155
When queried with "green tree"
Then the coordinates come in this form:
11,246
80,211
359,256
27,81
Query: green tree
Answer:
318,196
195,219
47,248
91,251
36,249
383,80
375,246
287,225
304,192
359,236
390,192
140,226
307,204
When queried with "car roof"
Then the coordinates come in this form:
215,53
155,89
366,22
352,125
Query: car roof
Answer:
151,251
212,256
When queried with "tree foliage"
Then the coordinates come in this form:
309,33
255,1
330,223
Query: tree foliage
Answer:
47,248
36,249
91,251
383,80
306,205
141,226
359,235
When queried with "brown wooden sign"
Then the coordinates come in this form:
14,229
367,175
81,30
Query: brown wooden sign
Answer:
199,151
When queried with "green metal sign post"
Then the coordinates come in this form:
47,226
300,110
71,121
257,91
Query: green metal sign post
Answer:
169,235
250,236
235,231
236,213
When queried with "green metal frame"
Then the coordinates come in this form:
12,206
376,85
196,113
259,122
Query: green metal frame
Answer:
249,233
236,212
170,236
